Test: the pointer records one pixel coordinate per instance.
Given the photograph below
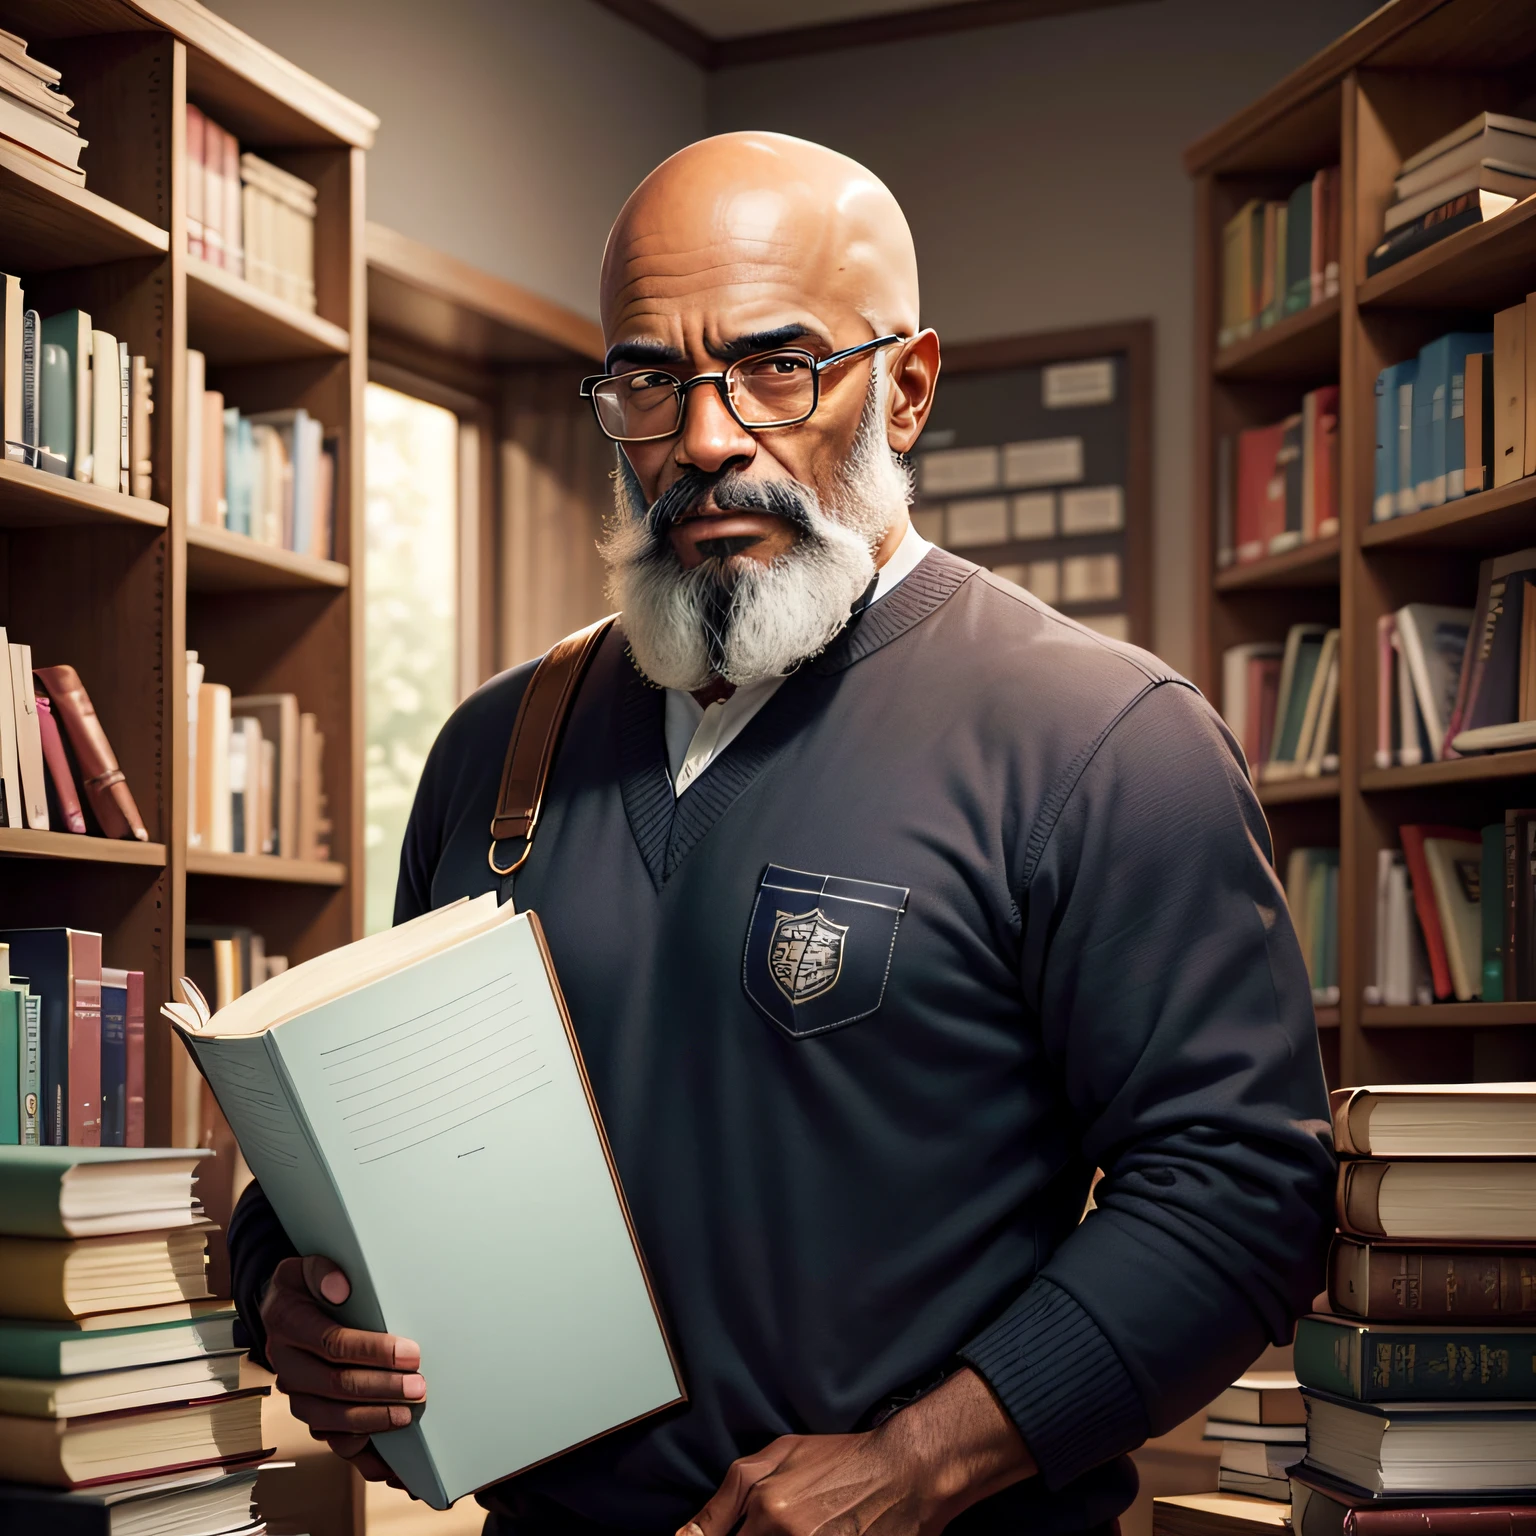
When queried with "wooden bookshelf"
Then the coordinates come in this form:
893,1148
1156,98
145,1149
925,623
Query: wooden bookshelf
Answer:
119,586
1293,791
1410,73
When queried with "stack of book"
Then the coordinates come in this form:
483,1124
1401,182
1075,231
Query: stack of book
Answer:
1281,702
1456,914
1450,680
72,399
248,216
257,767
271,476
120,1400
1279,258
1261,1423
1471,175
1278,486
52,743
71,1042
35,116
1442,431
1420,1383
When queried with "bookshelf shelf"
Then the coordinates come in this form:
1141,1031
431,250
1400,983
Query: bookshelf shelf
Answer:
1458,770
255,866
1303,346
22,842
30,498
1481,268
47,223
233,321
1309,565
221,561
1389,88
1503,516
1295,791
1450,1015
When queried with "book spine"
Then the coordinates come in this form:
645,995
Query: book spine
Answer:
59,774
114,1065
1406,1284
1377,1365
31,1068
10,1067
124,400
84,1128
133,1112
1430,1521
29,360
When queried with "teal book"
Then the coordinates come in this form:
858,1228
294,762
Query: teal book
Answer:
1298,250
46,1351
29,1020
1303,650
71,333
416,1109
1401,1363
56,400
1439,411
93,1191
11,1047
1491,912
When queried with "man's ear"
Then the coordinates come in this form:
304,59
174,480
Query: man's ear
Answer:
914,377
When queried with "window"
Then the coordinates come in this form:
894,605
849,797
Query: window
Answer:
421,620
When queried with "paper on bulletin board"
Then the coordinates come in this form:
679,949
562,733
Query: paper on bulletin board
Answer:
1093,509
982,521
953,471
1034,515
1072,384
1046,461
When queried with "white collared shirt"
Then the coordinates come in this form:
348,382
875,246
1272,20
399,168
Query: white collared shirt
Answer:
697,736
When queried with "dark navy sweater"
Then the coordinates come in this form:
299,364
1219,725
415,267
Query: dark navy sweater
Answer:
979,902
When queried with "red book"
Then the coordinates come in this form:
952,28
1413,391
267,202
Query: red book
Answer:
58,766
1325,460
1263,695
134,1120
1258,451
1424,897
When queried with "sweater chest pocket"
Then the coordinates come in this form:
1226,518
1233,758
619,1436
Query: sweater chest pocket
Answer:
819,948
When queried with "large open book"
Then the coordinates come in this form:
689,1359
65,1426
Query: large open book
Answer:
416,1109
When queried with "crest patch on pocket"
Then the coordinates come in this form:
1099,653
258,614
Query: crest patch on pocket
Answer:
819,948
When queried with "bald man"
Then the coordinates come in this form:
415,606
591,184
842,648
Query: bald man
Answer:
889,903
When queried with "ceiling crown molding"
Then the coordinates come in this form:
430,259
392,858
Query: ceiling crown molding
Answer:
715,53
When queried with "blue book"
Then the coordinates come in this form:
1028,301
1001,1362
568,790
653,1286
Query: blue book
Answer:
1440,404
1394,389
1407,375
114,1065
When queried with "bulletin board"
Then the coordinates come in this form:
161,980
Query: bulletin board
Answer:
1036,462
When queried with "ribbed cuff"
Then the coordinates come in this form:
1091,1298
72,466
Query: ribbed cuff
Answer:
1061,1382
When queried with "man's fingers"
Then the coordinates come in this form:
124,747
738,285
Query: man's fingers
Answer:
299,1371
720,1515
292,1317
325,1280
361,1454
325,1416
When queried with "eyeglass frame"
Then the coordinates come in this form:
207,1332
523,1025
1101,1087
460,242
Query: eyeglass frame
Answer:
819,365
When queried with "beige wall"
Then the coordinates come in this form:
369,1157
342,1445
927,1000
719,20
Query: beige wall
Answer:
1039,165
512,131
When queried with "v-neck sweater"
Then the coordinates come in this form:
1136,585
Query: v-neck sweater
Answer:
979,902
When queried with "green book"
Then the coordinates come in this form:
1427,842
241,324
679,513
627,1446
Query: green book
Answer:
1396,1362
91,1191
1298,250
71,331
11,1046
1303,650
49,1350
56,400
29,1023
1491,910
415,1108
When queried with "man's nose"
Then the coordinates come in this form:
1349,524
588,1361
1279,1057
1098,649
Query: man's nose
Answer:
711,436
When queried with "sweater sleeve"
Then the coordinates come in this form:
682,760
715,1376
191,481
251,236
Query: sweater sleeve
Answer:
1177,1013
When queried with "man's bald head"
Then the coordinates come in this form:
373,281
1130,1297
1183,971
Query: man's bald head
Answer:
757,221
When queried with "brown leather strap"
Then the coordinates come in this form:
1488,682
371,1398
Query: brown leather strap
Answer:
541,718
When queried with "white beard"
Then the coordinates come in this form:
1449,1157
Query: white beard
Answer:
739,619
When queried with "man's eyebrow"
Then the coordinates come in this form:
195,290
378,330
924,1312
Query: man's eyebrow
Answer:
765,341
643,351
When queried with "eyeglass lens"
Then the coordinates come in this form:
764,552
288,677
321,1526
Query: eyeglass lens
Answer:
770,390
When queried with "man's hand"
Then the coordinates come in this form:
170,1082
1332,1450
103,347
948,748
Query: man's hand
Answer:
344,1383
909,1477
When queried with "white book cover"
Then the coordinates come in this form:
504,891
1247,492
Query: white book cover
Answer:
29,738
10,770
106,411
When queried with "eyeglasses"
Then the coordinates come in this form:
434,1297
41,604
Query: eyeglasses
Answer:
770,389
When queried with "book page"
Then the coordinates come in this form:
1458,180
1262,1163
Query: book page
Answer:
455,1122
